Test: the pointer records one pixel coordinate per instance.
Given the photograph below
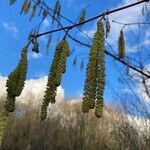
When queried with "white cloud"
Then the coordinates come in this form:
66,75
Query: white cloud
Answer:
33,91
11,28
139,88
35,55
90,33
46,23
130,15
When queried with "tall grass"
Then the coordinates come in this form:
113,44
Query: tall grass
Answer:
67,128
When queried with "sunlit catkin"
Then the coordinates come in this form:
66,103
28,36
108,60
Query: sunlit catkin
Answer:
58,67
101,73
95,74
90,86
24,6
82,17
107,27
16,80
121,45
33,12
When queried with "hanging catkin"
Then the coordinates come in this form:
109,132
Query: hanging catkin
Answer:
101,73
82,17
56,13
33,12
28,7
91,74
57,69
16,80
107,27
95,74
48,43
24,6
121,45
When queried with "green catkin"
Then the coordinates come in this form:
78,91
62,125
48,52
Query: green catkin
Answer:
107,27
65,52
89,95
24,6
82,17
23,66
48,43
101,73
121,45
57,69
11,2
56,13
28,7
33,12
15,82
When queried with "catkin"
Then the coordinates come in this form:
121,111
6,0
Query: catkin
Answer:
82,17
58,67
16,80
24,6
101,73
107,27
33,12
121,45
95,74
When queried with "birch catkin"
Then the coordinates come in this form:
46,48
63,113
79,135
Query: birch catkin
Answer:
16,80
58,67
121,45
95,74
101,73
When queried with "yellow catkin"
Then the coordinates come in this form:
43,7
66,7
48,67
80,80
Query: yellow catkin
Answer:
121,45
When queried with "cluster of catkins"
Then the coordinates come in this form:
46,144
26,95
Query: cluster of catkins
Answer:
16,81
95,74
58,68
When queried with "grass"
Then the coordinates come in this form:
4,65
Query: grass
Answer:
67,128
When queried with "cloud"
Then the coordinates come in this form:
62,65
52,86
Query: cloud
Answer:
90,33
11,28
130,15
139,88
33,91
35,55
46,23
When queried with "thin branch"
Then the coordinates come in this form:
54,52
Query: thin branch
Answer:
129,24
87,45
94,18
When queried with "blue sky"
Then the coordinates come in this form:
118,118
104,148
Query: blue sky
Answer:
14,29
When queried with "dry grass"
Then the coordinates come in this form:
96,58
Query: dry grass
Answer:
68,129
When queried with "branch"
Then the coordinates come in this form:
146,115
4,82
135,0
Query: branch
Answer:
87,45
94,18
129,24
